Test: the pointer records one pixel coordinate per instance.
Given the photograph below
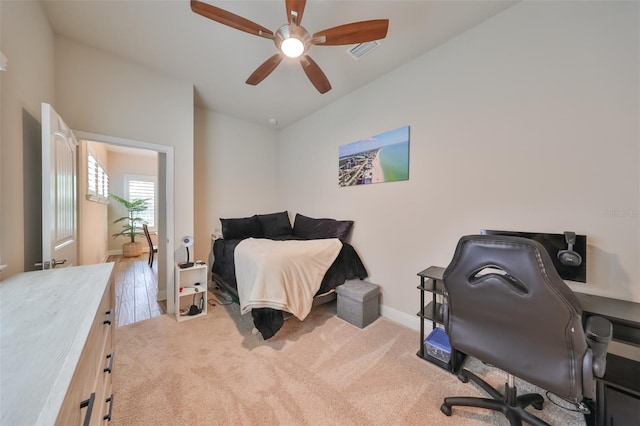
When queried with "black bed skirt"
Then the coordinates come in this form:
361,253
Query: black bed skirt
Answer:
347,266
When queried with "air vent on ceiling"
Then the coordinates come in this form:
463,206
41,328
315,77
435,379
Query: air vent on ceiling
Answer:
359,50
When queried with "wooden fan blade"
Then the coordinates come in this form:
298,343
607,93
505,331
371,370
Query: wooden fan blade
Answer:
229,19
264,70
315,74
355,32
295,6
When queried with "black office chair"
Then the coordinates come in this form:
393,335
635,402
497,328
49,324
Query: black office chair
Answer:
508,307
152,249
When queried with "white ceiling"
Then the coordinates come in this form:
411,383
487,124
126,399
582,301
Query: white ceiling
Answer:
167,36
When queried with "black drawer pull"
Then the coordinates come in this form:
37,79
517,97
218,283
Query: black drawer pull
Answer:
110,401
108,320
88,403
110,358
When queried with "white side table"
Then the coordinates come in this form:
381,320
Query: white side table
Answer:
191,292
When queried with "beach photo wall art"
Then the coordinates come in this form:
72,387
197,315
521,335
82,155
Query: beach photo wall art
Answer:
381,158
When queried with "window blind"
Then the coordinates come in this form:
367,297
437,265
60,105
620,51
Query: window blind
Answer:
140,187
97,181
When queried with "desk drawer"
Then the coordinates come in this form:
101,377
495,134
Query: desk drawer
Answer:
621,408
625,333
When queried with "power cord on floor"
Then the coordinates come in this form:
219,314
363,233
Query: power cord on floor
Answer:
573,407
221,296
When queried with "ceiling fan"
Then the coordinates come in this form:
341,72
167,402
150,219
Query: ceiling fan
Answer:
294,41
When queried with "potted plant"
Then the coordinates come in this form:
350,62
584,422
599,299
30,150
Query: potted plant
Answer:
131,225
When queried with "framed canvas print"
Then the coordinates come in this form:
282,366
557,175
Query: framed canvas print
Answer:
381,158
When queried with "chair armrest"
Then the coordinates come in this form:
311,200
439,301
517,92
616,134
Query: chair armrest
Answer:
599,332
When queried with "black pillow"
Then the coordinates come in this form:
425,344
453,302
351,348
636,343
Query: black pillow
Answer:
275,224
311,229
239,228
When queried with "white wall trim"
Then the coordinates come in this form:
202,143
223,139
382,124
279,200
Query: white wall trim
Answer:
118,252
162,295
411,321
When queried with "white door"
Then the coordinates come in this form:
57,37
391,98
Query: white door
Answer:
59,192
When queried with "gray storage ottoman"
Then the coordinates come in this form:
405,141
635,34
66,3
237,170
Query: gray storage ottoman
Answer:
358,302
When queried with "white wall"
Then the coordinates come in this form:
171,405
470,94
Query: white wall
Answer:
28,43
236,173
527,122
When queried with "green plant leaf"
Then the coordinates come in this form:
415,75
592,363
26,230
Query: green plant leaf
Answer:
129,227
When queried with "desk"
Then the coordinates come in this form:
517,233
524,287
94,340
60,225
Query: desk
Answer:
619,390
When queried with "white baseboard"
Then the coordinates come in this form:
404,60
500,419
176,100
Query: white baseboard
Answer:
411,321
162,295
119,252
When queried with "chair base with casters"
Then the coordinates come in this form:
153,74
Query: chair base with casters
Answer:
511,405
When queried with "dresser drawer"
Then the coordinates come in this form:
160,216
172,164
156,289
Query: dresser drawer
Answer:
84,401
105,318
104,405
81,388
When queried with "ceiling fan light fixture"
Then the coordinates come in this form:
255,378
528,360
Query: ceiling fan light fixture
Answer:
292,47
292,40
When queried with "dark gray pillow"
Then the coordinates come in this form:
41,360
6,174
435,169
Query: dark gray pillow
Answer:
275,224
239,228
313,229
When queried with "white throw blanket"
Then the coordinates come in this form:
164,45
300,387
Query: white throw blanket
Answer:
282,275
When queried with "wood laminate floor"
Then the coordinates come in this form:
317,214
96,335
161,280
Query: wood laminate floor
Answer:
136,289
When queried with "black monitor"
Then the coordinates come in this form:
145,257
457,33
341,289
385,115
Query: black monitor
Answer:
555,243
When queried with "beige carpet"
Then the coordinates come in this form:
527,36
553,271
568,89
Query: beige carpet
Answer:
323,371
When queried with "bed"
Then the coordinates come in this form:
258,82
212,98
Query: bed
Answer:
252,231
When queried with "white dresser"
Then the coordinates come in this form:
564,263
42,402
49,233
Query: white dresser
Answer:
56,346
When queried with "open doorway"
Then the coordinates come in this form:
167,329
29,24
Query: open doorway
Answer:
127,155
89,254
165,200
128,173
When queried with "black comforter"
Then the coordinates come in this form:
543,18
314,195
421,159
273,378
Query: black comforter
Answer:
347,266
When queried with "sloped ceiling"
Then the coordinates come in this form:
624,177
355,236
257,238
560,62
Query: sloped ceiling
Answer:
169,37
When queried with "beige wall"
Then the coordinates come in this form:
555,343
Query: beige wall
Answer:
92,217
99,93
104,94
27,41
527,122
119,165
236,173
